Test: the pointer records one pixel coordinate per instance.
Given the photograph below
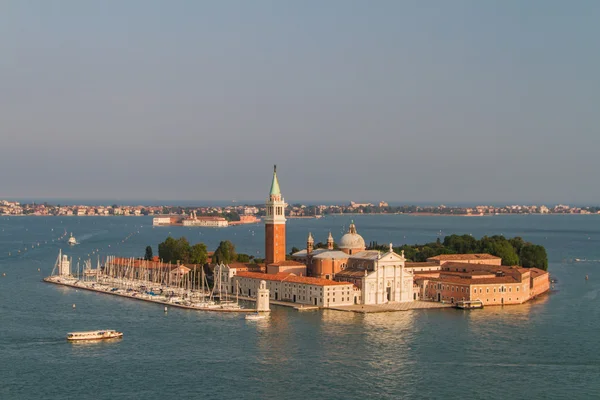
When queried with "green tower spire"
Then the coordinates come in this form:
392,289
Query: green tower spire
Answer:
275,184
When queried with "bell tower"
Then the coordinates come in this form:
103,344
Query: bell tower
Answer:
310,244
275,224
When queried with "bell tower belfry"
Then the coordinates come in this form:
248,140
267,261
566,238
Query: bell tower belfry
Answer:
275,224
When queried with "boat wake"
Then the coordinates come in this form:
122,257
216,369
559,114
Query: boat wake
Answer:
88,236
583,260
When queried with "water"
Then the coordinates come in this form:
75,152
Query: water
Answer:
544,349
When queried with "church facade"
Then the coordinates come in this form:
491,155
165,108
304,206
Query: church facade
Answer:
381,278
329,277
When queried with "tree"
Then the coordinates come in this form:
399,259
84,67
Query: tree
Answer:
148,256
174,250
231,216
182,250
225,253
166,249
461,244
498,246
409,252
198,254
294,250
517,243
505,251
243,258
535,256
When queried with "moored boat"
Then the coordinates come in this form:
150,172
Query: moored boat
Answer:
469,304
255,316
94,335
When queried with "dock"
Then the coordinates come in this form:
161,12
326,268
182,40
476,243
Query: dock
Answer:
392,307
107,290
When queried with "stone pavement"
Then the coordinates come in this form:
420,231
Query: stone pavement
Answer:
391,307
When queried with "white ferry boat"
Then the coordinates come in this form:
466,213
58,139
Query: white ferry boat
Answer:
94,335
72,241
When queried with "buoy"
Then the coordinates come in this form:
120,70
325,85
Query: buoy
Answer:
586,278
38,270
73,305
4,274
166,309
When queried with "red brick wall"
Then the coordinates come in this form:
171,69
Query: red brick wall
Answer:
320,268
490,294
540,284
299,270
274,243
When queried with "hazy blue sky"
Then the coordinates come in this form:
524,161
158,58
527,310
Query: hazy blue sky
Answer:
354,100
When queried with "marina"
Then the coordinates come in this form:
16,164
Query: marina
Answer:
119,277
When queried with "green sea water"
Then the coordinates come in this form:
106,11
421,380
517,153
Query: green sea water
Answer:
548,348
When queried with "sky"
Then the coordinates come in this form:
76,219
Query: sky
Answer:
402,101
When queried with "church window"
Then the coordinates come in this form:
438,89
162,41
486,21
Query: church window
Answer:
517,289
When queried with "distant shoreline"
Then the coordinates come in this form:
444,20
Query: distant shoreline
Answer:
416,214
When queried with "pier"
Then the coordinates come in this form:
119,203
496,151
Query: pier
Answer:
168,285
137,295
392,307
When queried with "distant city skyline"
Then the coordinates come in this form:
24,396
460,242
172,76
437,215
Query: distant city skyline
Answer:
406,102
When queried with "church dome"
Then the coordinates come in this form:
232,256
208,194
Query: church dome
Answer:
352,240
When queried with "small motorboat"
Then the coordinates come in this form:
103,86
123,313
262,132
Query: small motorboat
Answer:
72,241
255,316
469,305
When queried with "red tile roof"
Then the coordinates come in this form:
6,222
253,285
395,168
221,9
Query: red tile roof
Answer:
282,276
288,263
137,263
449,257
246,266
352,272
536,272
410,264
476,281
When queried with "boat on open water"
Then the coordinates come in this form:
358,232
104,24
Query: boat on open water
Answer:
94,335
72,241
